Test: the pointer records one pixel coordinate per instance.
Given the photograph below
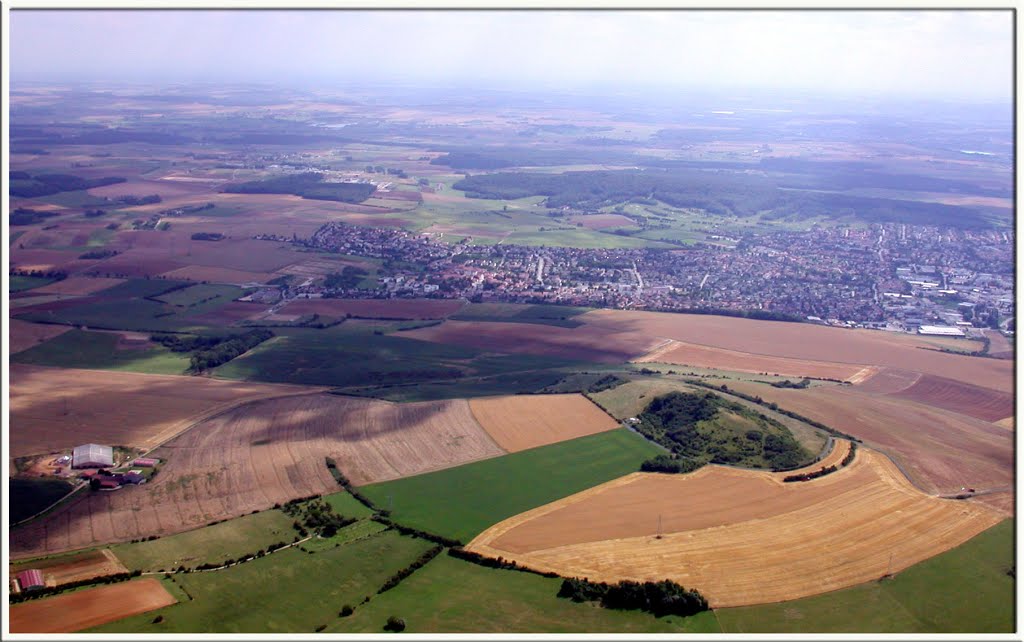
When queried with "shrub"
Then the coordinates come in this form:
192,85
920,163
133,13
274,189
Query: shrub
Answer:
395,624
346,611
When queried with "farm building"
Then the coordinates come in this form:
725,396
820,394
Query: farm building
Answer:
145,462
92,456
941,330
31,579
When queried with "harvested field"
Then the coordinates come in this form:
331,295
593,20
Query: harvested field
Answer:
377,308
90,607
587,343
1008,422
520,422
741,537
266,452
53,408
217,275
805,341
974,401
889,381
705,357
72,568
24,335
939,450
79,285
232,313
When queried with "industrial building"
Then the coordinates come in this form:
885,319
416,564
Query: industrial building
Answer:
92,456
940,330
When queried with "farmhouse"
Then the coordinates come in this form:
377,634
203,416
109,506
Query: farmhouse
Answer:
92,456
30,580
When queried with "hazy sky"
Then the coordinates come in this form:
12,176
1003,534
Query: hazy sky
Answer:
964,55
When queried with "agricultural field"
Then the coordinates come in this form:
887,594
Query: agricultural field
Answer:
28,496
105,351
23,283
24,335
452,596
252,456
376,308
463,501
72,612
71,568
741,537
554,315
53,409
940,451
79,285
277,588
964,590
521,422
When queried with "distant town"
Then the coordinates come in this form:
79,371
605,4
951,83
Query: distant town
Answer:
888,276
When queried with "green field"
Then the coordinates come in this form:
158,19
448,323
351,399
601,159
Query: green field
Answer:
453,596
463,501
355,354
24,283
353,532
83,349
26,497
287,592
557,315
133,288
965,590
211,544
346,505
201,294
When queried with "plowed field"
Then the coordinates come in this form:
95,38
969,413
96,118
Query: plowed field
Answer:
263,453
805,341
741,537
705,357
71,568
58,408
91,607
527,421
939,450
974,401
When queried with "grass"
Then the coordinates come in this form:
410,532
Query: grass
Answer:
351,533
964,590
461,502
201,294
211,544
453,596
345,504
98,350
23,283
355,354
29,496
556,315
287,592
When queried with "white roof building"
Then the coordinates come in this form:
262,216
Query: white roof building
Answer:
943,330
92,456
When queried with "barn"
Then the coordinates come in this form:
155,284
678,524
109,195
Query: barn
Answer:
30,580
92,456
145,462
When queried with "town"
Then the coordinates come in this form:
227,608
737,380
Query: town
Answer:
887,276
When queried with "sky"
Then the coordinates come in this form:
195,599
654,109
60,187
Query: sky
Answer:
960,55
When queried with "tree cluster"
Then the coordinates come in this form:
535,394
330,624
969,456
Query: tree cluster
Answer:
227,350
490,562
658,598
349,277
25,216
308,185
28,186
670,464
207,236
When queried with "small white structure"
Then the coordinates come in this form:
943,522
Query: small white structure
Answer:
92,456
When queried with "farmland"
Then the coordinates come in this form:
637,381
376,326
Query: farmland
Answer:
78,610
759,541
376,308
461,502
261,453
104,351
75,567
24,335
55,409
526,421
275,590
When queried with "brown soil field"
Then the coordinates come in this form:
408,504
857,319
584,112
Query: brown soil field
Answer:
974,401
377,308
520,422
110,407
266,452
889,380
47,260
90,607
24,335
806,341
999,346
134,263
588,343
1008,422
603,221
78,285
71,568
217,275
741,537
705,357
940,451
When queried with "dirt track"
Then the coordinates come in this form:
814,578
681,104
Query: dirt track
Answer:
741,537
520,422
79,610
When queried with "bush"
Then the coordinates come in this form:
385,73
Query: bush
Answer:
395,624
346,611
